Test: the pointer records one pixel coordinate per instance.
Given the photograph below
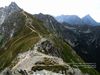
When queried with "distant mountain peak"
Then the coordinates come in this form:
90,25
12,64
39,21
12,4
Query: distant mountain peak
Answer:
89,20
88,16
76,20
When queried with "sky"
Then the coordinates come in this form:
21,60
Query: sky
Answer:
59,7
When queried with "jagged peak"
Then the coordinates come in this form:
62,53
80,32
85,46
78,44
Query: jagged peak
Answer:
13,4
88,16
41,14
13,7
89,20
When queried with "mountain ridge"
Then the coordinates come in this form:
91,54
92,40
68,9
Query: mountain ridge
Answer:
75,20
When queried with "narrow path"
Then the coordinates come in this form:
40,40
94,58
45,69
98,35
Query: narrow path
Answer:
29,24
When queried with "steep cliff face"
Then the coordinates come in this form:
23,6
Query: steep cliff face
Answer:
29,47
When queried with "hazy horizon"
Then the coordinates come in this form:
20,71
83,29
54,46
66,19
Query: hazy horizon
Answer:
57,8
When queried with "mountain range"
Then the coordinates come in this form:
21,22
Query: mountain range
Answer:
75,20
39,44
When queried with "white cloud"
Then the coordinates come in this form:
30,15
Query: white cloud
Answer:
58,7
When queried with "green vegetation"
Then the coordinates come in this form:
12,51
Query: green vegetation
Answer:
1,39
15,46
39,27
